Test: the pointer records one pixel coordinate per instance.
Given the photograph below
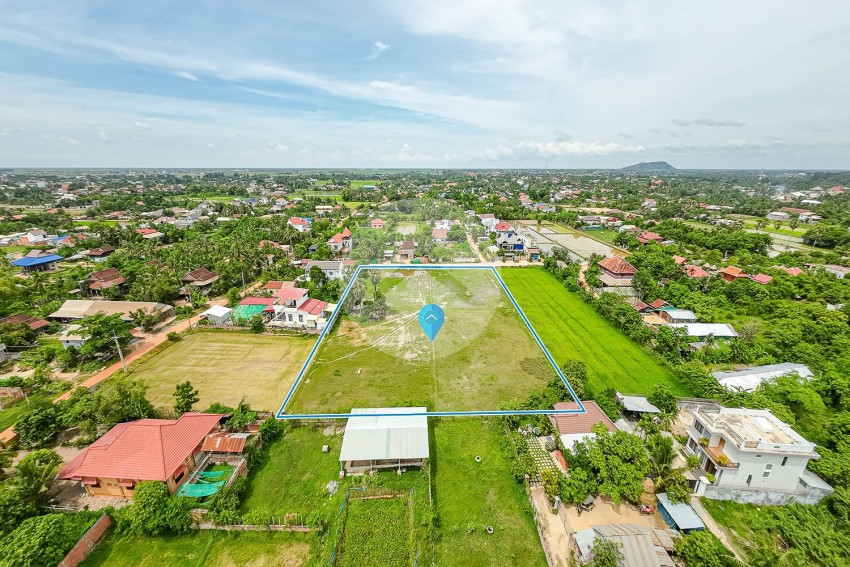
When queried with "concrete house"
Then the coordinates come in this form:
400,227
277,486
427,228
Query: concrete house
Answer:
166,450
98,255
299,224
341,241
331,268
616,272
778,216
440,235
377,223
754,456
201,280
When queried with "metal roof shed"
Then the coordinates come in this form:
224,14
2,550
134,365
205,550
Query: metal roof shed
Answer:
637,404
377,440
679,516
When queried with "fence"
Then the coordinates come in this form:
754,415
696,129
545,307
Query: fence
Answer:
540,531
88,542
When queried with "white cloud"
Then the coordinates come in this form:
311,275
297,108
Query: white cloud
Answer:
707,122
378,49
278,148
5,132
64,139
140,124
103,136
186,75
576,148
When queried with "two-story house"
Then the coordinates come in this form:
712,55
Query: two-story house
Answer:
753,457
341,241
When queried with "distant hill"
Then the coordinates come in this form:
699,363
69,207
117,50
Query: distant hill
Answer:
650,166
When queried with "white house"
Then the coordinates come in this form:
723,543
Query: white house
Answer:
778,216
489,221
341,241
331,268
754,456
71,337
299,224
374,440
296,310
440,235
702,331
749,378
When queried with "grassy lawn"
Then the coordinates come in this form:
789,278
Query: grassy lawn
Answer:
784,230
572,329
360,183
469,496
225,366
377,532
483,356
9,415
205,548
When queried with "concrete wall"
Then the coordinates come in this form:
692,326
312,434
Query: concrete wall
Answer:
805,495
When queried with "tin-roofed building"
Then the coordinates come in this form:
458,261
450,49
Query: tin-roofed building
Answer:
748,379
380,441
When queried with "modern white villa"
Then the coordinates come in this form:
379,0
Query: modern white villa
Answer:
754,457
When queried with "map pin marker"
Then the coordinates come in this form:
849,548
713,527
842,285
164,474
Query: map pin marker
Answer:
431,318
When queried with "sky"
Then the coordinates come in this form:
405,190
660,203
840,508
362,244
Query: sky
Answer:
425,84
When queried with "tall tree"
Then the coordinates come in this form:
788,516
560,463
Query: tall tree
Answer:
185,396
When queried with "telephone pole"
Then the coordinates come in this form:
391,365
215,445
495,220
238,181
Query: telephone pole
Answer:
120,354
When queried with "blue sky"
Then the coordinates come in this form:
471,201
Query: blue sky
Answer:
424,83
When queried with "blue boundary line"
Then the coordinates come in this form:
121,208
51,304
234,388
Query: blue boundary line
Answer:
332,319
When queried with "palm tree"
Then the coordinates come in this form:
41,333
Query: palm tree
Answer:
660,449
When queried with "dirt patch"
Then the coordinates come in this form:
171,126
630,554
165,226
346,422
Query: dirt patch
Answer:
283,555
606,512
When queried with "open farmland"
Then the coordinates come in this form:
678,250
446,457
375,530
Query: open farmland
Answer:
225,366
483,356
209,548
571,329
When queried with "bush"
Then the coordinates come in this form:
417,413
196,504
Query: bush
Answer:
37,427
173,337
44,540
155,511
224,505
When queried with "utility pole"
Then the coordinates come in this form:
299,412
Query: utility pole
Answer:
120,354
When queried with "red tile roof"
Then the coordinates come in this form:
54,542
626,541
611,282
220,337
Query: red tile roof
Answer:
617,266
679,259
290,293
789,271
34,323
102,251
733,271
580,422
313,306
503,226
199,275
273,285
298,220
346,233
659,303
439,233
762,278
696,272
147,449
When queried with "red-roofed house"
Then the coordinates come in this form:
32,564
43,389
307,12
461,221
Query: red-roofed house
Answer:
732,273
762,278
377,223
274,285
96,282
440,235
150,233
679,260
200,279
789,271
148,449
299,224
576,427
34,323
341,241
616,272
646,237
693,271
504,228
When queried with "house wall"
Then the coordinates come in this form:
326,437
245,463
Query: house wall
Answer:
88,542
803,495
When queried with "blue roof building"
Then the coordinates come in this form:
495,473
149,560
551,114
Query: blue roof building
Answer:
37,263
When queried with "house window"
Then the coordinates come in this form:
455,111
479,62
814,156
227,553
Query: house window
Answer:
698,426
784,460
767,468
749,479
180,476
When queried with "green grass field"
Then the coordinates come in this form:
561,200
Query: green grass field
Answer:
571,329
204,549
483,356
10,414
784,229
225,367
470,496
377,532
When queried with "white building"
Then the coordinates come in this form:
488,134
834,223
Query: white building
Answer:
218,315
754,456
374,440
299,224
749,378
331,268
702,331
778,216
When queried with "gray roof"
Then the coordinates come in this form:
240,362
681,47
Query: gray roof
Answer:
700,330
637,404
749,378
681,314
682,514
635,543
376,437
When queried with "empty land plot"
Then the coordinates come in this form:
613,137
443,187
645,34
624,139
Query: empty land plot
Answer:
571,329
470,495
209,548
483,356
377,531
225,367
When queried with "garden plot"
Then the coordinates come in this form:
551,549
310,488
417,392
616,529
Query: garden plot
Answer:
483,356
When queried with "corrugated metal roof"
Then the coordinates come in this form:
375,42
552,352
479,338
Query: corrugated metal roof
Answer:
682,514
376,437
637,404
749,378
635,543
